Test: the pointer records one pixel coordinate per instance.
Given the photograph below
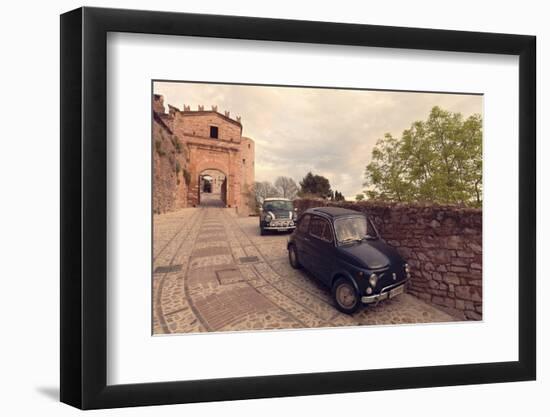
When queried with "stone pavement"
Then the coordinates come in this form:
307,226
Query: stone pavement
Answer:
212,271
212,200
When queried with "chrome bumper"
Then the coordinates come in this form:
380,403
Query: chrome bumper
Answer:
280,224
279,227
384,293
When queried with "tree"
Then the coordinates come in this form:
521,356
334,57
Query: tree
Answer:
437,160
315,185
263,190
360,197
287,187
337,196
386,172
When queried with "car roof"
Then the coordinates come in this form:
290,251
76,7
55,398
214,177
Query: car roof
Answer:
333,211
276,199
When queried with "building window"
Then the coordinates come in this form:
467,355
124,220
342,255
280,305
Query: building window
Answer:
214,132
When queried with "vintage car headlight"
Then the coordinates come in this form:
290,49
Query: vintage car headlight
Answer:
268,217
373,279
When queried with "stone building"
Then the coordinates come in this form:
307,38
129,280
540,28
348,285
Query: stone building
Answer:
169,161
219,160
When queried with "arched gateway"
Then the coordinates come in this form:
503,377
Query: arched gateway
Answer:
212,188
215,143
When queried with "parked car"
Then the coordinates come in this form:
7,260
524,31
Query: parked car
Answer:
343,249
277,214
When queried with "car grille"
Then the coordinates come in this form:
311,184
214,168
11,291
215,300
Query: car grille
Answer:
283,216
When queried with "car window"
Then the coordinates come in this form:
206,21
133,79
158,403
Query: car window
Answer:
279,205
304,223
320,229
351,228
327,233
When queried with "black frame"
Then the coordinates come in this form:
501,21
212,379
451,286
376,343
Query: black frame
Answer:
84,207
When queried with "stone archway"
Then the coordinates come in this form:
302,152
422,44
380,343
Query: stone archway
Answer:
212,189
214,161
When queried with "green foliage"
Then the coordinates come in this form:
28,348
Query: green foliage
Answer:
337,196
437,160
186,176
315,185
177,144
359,197
158,147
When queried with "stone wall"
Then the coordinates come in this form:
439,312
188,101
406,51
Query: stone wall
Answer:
247,179
169,167
442,245
197,123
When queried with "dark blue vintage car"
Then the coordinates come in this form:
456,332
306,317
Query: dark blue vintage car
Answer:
343,249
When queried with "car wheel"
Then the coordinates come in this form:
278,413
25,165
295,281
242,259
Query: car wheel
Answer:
345,296
263,232
293,257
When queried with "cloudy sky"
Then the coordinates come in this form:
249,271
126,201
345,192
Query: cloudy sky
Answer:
329,132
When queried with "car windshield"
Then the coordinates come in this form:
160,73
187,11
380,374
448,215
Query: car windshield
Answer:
278,205
354,228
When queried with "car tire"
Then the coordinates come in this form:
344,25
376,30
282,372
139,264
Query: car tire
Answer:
293,257
263,232
345,296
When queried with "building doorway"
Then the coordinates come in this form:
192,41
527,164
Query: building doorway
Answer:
212,188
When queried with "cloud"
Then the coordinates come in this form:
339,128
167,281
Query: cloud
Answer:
330,132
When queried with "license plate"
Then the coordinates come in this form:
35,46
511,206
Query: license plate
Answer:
396,291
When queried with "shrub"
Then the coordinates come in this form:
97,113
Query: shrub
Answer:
158,147
177,144
187,176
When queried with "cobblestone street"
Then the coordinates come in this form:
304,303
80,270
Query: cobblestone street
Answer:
214,272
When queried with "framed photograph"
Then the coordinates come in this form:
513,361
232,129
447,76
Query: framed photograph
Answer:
256,208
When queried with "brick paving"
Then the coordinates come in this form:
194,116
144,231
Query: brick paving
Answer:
214,272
